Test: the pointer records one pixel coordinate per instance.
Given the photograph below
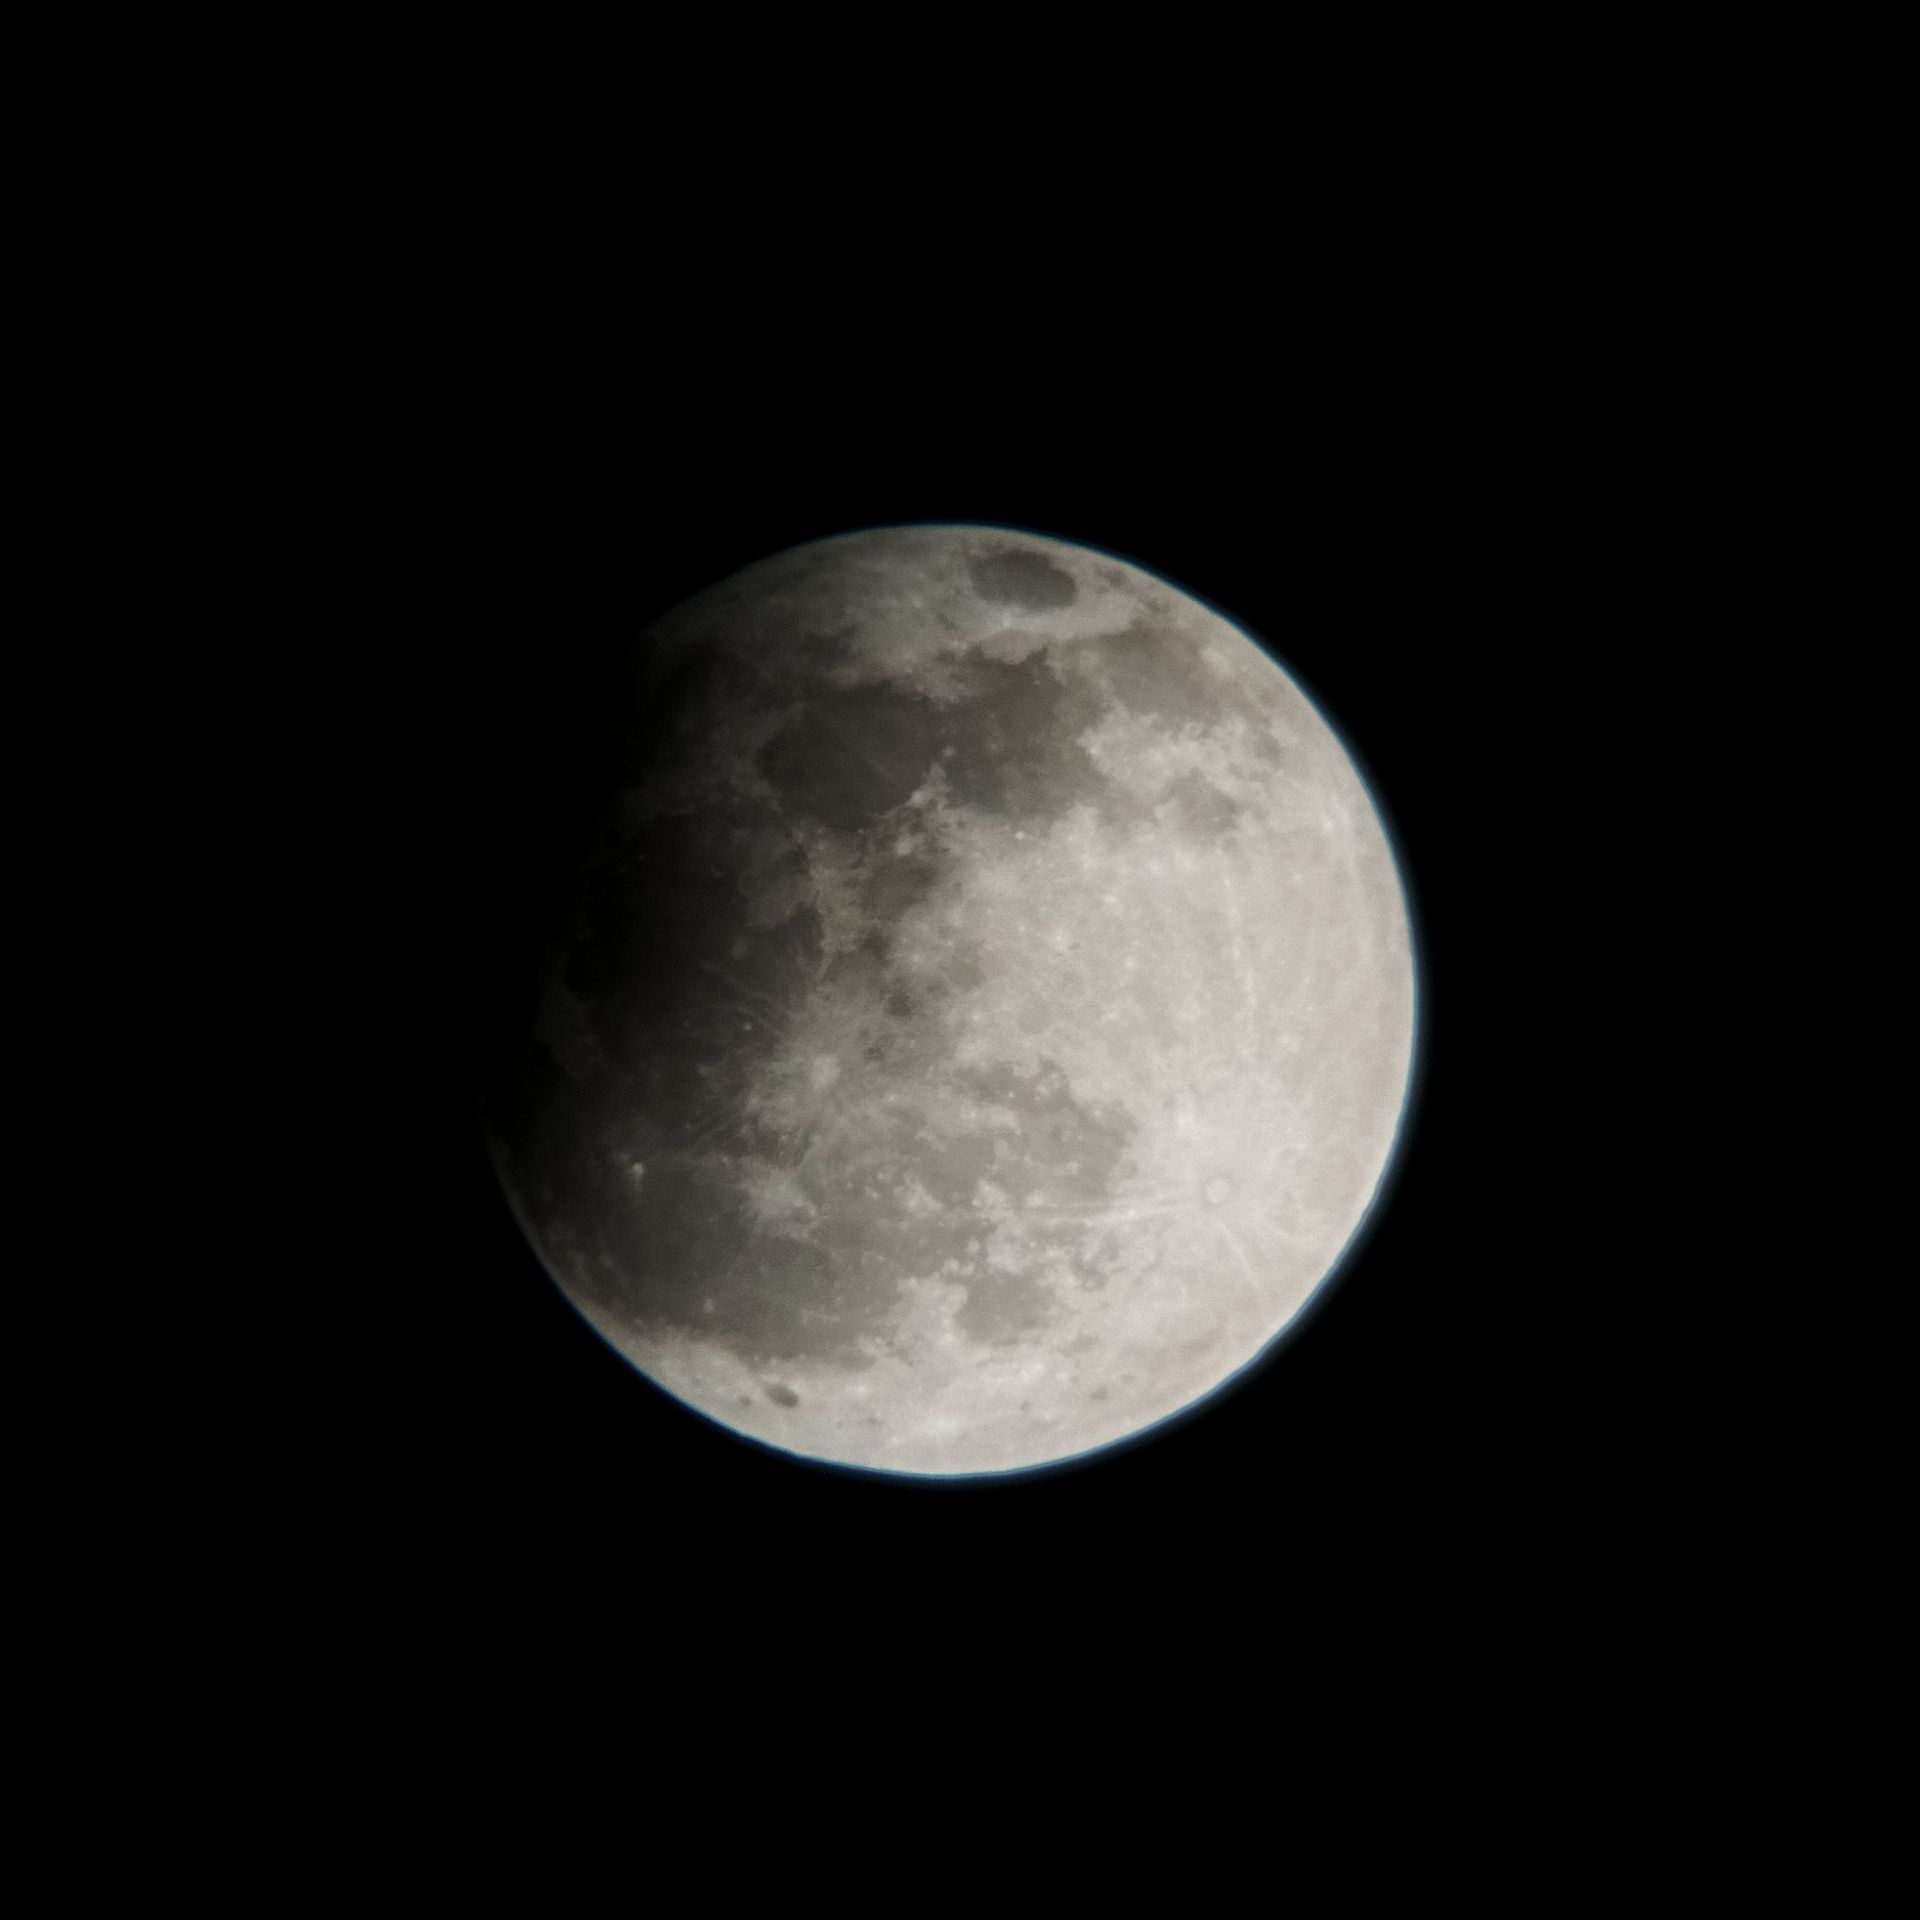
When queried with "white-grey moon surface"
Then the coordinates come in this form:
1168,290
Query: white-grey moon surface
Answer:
985,1017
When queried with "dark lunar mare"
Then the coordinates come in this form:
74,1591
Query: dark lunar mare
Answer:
1019,577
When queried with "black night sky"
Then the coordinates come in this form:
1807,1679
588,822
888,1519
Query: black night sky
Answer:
1360,516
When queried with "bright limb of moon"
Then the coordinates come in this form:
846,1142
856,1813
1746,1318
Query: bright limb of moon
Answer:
985,1018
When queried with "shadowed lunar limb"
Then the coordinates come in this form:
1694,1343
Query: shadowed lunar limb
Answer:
983,1019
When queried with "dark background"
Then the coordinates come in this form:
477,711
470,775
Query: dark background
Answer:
1367,514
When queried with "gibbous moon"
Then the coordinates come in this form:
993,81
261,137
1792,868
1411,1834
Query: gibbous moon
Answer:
984,1018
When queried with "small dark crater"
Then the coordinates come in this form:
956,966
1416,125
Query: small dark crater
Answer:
1019,578
1199,807
783,1396
1099,1393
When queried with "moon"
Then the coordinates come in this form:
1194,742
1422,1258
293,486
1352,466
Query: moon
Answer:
984,1018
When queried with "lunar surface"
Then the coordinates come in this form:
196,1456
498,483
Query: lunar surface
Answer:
984,1019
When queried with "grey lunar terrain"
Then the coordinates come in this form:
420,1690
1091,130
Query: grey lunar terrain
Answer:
986,1015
